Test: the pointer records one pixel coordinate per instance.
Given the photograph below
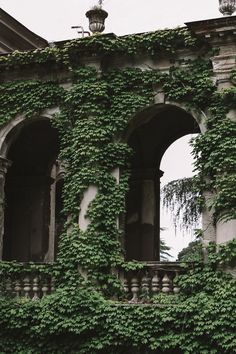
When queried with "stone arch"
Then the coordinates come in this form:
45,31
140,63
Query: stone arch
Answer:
149,133
10,130
150,111
29,146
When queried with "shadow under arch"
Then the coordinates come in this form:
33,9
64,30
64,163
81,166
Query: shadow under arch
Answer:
32,146
149,134
11,129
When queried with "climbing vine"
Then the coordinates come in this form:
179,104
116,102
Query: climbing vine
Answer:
68,54
80,317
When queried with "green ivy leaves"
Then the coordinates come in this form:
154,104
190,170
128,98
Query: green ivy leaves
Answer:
28,98
94,115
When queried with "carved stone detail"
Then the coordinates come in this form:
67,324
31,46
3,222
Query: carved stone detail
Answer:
222,67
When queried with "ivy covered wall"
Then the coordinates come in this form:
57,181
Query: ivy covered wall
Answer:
95,109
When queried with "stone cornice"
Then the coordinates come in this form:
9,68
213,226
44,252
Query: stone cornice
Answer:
213,26
220,32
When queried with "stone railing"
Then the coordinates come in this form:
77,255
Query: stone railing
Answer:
153,279
32,285
139,285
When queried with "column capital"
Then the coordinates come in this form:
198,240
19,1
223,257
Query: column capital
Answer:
223,65
145,173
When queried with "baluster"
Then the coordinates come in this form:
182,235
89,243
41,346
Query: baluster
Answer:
166,284
26,287
134,290
176,288
35,288
2,288
52,285
155,283
45,287
18,288
9,285
126,286
145,286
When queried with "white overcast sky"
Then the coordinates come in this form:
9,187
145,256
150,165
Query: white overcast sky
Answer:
52,20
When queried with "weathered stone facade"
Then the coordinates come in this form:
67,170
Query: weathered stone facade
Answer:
149,133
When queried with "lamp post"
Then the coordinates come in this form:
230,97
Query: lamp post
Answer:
227,7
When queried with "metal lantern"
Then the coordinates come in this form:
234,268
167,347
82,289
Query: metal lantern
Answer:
96,18
227,7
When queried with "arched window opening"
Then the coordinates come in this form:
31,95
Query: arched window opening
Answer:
150,138
177,162
30,188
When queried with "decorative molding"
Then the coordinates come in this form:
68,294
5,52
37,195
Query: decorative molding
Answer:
222,68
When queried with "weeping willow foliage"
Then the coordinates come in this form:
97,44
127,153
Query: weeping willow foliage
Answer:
181,198
164,251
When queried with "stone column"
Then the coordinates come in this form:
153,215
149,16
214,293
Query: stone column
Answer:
89,196
4,164
148,216
158,225
220,33
51,242
132,239
208,226
142,216
223,65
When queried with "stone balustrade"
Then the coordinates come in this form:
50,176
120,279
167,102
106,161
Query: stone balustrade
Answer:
153,279
139,285
32,285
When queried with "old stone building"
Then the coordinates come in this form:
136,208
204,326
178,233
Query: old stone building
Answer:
32,169
15,36
22,144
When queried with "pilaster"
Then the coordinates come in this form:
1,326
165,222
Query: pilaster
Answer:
223,65
143,221
220,35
